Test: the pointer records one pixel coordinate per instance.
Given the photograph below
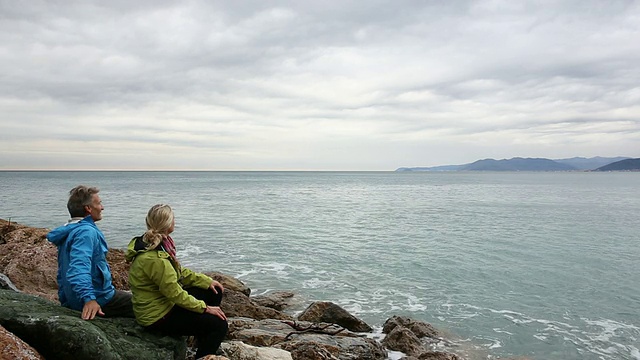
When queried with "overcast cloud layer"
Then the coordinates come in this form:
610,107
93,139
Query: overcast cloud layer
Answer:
322,85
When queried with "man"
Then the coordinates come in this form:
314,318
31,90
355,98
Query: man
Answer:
84,277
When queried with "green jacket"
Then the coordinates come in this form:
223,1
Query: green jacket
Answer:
157,283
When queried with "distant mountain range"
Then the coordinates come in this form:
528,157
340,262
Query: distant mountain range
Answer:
598,163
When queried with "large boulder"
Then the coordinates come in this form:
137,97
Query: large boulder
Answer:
237,304
403,340
229,282
414,338
328,312
12,347
418,328
60,333
301,339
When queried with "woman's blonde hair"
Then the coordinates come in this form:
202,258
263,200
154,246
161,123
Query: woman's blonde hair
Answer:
159,221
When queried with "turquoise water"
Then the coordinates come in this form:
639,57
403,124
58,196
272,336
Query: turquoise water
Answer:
541,265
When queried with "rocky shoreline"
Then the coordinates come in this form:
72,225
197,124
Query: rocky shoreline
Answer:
34,326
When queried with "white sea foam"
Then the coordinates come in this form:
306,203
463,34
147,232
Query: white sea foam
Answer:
498,330
190,251
246,273
316,283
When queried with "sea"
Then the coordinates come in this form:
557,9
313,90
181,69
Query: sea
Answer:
521,265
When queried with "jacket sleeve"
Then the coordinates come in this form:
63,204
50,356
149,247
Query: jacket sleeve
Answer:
162,273
79,273
192,278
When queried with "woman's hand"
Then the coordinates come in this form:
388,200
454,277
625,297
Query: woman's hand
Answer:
215,286
216,311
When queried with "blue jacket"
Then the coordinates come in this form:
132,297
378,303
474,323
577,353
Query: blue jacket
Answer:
83,271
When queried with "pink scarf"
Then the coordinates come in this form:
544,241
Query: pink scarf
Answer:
170,247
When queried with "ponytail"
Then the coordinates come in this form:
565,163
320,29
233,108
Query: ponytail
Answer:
152,238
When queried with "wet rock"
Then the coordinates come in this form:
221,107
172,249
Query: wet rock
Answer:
328,312
12,347
419,328
402,339
59,333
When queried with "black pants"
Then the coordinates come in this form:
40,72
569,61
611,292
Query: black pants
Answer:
209,330
119,306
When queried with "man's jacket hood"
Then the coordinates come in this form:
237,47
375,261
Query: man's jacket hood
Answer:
60,234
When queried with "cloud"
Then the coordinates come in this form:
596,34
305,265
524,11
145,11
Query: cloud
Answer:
316,86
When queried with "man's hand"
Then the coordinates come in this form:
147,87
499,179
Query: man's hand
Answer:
215,310
91,309
215,286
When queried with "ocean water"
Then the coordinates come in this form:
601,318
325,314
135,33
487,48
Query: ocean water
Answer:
531,265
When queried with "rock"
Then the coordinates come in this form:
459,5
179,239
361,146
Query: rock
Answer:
402,339
29,260
119,268
269,332
419,328
323,311
309,351
6,284
59,333
12,347
278,300
237,350
229,282
437,355
237,304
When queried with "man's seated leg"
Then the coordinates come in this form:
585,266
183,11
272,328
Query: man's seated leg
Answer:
119,306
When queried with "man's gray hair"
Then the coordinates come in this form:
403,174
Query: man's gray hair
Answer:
79,197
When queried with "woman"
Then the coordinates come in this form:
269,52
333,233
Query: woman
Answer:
167,297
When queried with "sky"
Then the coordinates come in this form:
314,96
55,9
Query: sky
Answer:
314,85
